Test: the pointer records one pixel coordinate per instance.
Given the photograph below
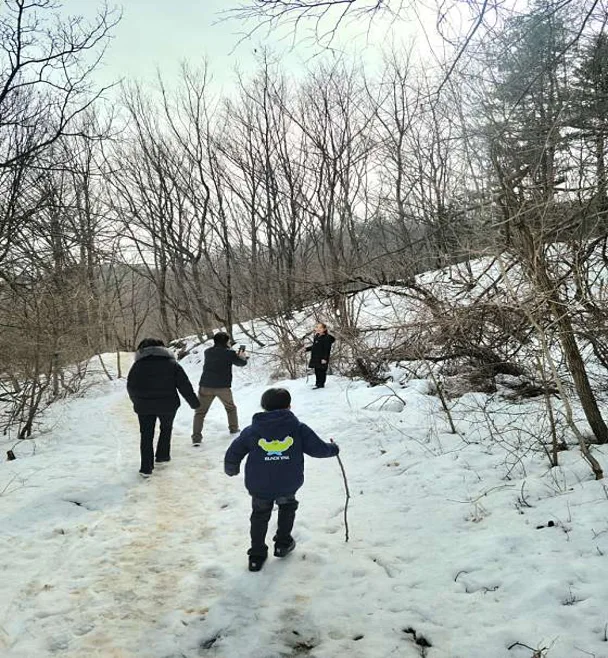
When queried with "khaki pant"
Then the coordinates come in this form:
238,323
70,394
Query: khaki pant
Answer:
206,397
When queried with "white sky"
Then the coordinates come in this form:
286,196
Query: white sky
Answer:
162,33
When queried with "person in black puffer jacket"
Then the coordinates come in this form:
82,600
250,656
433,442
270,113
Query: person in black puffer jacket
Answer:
275,444
152,384
319,353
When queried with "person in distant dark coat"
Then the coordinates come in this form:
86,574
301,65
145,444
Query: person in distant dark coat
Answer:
153,383
216,381
319,353
275,444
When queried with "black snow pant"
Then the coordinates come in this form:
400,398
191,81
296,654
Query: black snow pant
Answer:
320,376
147,424
260,516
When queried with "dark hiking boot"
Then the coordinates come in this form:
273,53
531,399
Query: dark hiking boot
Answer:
282,551
256,562
163,461
145,474
237,431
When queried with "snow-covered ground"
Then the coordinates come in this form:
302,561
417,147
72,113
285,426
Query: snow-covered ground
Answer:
455,541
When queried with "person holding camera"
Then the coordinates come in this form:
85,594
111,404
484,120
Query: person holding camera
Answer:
216,381
319,353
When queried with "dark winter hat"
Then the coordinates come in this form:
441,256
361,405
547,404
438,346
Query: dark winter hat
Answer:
150,342
276,398
221,339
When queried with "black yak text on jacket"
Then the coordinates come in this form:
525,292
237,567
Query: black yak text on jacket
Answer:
275,444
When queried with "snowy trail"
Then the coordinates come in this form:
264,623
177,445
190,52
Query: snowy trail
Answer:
142,577
100,563
111,580
157,568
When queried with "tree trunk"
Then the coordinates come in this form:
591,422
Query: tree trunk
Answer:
534,261
576,365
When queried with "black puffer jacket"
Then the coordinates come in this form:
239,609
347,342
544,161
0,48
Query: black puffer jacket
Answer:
217,369
320,349
154,380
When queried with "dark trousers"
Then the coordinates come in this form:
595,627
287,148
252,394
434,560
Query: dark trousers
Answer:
147,424
321,376
260,516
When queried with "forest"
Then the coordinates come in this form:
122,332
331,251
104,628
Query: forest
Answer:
173,210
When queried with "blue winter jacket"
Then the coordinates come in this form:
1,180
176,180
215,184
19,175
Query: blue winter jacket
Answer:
275,443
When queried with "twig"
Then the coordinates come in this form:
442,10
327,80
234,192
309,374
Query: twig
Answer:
347,495
522,497
103,365
519,644
498,487
7,490
537,653
392,394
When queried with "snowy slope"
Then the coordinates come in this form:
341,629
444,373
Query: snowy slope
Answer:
96,562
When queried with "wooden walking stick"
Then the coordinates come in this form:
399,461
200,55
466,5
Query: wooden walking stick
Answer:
347,494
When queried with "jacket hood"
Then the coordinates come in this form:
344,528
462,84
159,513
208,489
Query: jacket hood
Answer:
274,422
154,351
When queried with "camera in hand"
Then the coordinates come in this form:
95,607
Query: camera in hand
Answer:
241,348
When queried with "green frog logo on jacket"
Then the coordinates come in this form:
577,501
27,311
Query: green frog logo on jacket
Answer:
275,449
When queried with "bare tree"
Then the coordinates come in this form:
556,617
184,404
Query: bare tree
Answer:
328,17
267,165
46,62
47,98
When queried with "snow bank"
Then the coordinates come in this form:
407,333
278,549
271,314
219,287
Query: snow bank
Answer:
448,540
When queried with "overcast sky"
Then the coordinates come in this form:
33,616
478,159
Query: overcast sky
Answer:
162,33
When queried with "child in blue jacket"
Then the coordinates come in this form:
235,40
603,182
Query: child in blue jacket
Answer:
275,443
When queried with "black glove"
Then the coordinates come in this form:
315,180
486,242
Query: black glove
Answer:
231,469
337,447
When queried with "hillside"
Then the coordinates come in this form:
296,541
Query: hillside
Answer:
461,545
